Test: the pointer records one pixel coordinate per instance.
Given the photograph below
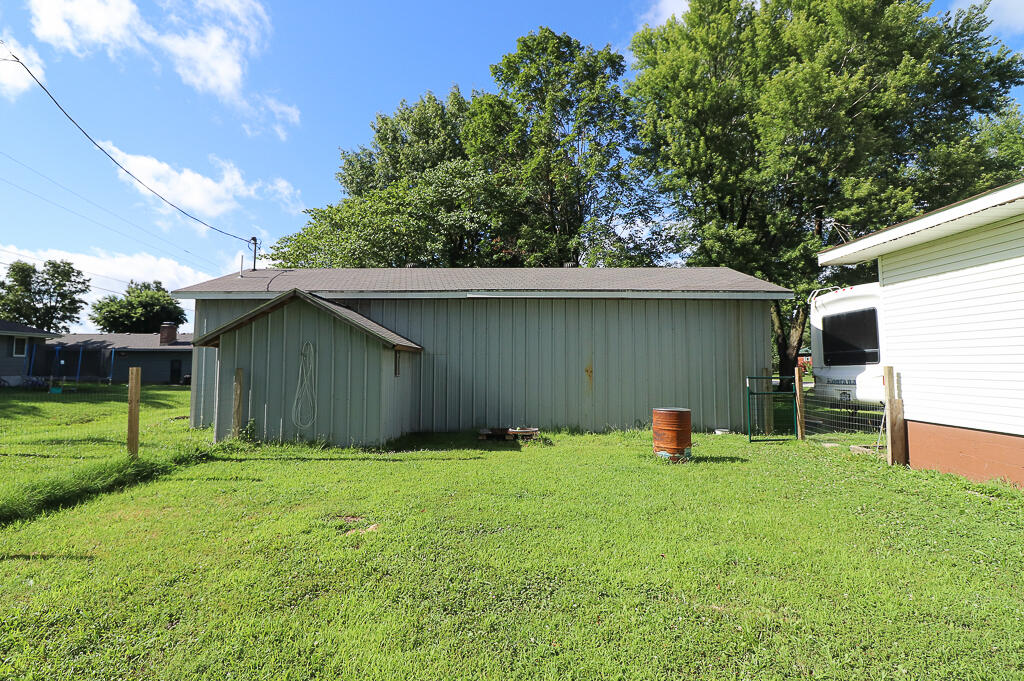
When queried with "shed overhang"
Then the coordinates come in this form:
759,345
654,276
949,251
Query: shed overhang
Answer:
1000,204
351,317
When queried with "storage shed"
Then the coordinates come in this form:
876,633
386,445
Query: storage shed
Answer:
383,352
952,293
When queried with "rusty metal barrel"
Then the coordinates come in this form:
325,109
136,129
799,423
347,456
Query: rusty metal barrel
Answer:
672,428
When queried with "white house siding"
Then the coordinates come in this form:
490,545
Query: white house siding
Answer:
954,327
358,398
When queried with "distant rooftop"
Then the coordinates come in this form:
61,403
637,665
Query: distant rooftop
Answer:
122,341
19,329
568,281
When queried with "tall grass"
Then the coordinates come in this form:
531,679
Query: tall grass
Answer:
76,484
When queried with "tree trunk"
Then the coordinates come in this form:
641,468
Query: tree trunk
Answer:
788,335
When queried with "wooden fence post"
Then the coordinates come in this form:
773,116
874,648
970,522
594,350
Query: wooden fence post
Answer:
134,397
801,424
236,413
895,426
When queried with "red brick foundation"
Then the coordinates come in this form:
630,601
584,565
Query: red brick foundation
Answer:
975,454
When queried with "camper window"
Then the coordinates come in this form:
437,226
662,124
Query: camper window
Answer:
850,338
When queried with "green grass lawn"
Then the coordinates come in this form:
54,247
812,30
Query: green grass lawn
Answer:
585,558
43,433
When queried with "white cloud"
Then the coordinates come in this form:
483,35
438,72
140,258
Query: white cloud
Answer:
209,43
210,61
110,270
283,114
191,190
13,78
1006,15
81,25
288,196
200,194
247,17
661,10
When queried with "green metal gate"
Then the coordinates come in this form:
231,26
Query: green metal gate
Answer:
771,410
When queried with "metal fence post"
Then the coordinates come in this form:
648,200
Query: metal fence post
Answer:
801,425
769,409
895,426
134,397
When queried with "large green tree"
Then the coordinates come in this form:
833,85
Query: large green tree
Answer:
49,298
142,309
781,127
539,173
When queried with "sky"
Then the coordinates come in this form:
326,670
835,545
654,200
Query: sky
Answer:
235,110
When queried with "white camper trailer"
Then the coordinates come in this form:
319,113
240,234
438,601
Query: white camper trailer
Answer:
846,348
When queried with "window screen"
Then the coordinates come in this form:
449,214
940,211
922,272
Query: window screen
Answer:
20,346
850,338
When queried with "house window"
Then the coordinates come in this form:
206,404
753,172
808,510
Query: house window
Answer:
398,366
850,338
20,347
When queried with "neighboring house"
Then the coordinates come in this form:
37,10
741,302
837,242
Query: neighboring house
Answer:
165,357
360,356
19,345
952,292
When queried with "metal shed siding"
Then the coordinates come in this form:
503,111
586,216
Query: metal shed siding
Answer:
359,399
954,327
585,363
209,315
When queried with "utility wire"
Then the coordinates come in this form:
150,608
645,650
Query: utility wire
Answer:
91,286
77,214
106,210
96,144
94,274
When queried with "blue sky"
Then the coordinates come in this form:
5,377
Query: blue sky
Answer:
235,109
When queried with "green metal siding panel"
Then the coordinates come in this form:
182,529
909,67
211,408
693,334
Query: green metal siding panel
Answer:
508,361
501,362
209,315
358,399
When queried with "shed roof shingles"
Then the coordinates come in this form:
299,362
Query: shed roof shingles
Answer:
425,280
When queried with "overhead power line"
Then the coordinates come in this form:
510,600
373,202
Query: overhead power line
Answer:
253,240
91,286
43,260
79,215
107,210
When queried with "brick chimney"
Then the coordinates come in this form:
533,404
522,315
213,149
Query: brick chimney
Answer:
168,333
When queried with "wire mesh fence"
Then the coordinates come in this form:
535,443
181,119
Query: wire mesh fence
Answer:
771,409
50,427
827,415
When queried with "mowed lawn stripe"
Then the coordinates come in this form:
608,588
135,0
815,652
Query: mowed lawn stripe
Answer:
586,558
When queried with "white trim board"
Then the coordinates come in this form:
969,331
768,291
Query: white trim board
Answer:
1000,204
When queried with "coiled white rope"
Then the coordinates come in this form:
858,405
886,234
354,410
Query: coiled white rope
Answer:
305,391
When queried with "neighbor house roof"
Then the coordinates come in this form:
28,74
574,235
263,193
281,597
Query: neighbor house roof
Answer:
384,334
19,329
992,206
679,282
123,341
